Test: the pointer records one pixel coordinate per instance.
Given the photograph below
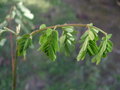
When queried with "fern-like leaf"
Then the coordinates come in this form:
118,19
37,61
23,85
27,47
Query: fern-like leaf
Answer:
23,43
49,43
67,40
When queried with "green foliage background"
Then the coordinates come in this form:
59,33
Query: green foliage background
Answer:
63,74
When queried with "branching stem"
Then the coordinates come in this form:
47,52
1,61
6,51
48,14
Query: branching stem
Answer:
59,26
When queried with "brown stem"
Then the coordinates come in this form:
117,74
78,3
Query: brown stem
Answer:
58,26
14,75
9,19
12,51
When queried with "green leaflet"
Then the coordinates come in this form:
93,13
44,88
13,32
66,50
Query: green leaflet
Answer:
42,26
83,50
109,46
81,55
91,35
83,37
90,51
94,29
45,35
43,38
62,40
49,43
96,59
109,36
55,40
85,44
23,43
69,29
67,40
95,32
92,48
108,49
48,32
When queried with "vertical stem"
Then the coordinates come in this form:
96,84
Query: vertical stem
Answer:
12,51
13,54
14,74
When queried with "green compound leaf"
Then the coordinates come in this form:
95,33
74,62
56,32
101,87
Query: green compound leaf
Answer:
23,43
67,40
104,48
49,43
89,45
88,40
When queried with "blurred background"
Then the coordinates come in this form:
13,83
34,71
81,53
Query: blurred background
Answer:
38,72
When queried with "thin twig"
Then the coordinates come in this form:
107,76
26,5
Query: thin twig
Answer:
58,26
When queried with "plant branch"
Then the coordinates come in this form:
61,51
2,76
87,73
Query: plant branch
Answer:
58,26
